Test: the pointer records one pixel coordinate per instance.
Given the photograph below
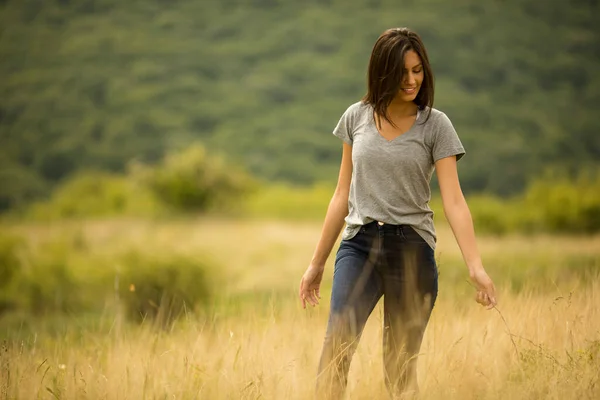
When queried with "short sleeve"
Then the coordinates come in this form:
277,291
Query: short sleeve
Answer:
446,142
345,126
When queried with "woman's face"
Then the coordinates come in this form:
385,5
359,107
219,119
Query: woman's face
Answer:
412,77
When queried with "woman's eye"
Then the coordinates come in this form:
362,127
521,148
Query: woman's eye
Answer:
418,71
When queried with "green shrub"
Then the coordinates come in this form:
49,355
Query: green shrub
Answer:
95,194
10,264
34,283
9,259
490,214
553,203
289,202
565,205
55,276
161,288
62,276
45,283
193,180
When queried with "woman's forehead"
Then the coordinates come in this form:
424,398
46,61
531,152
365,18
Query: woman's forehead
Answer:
411,59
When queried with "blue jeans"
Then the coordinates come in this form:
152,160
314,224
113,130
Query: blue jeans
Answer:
392,261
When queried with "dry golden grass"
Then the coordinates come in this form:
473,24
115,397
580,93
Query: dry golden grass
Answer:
537,345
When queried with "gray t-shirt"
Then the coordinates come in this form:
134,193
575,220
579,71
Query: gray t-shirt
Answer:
390,179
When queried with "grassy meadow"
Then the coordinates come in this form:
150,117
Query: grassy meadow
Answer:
254,341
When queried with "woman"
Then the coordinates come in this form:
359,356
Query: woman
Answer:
393,140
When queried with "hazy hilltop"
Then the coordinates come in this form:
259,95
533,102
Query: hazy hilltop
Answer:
91,84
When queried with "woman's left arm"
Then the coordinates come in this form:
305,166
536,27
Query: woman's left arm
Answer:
459,216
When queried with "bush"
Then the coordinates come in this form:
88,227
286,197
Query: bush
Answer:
35,283
95,194
9,268
193,180
491,215
564,205
62,276
188,181
45,282
9,260
162,288
289,202
553,203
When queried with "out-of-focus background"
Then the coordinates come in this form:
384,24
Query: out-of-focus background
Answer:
165,167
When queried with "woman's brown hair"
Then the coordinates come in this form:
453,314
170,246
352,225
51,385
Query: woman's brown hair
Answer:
386,68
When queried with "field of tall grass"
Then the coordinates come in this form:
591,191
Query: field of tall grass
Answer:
252,339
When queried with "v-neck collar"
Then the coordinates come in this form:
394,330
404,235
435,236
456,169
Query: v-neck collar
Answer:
374,124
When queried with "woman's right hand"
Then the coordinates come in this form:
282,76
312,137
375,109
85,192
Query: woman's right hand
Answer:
486,291
310,285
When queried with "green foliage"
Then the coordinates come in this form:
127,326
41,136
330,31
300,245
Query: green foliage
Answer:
92,85
9,267
44,282
289,202
552,203
19,186
62,276
162,288
497,216
9,259
193,180
187,181
95,194
565,205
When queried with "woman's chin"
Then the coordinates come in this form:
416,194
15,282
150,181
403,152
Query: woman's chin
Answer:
406,98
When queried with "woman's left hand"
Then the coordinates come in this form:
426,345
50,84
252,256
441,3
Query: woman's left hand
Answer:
486,291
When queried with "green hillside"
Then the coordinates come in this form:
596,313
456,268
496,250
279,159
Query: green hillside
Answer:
92,84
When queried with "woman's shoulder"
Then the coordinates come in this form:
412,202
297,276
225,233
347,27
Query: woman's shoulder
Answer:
358,108
355,113
436,124
434,119
434,114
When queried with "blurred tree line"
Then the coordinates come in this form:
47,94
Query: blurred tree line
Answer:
94,84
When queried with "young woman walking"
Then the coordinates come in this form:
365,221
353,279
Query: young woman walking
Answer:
393,139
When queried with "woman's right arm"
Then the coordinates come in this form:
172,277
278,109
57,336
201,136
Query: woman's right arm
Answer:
336,212
334,222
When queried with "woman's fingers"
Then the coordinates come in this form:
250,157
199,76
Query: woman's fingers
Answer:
490,295
312,298
489,289
479,297
309,296
302,293
482,298
310,287
492,299
486,294
485,299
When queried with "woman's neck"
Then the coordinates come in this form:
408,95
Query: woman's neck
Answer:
402,108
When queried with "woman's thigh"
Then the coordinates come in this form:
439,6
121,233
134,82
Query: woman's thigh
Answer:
356,285
409,273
